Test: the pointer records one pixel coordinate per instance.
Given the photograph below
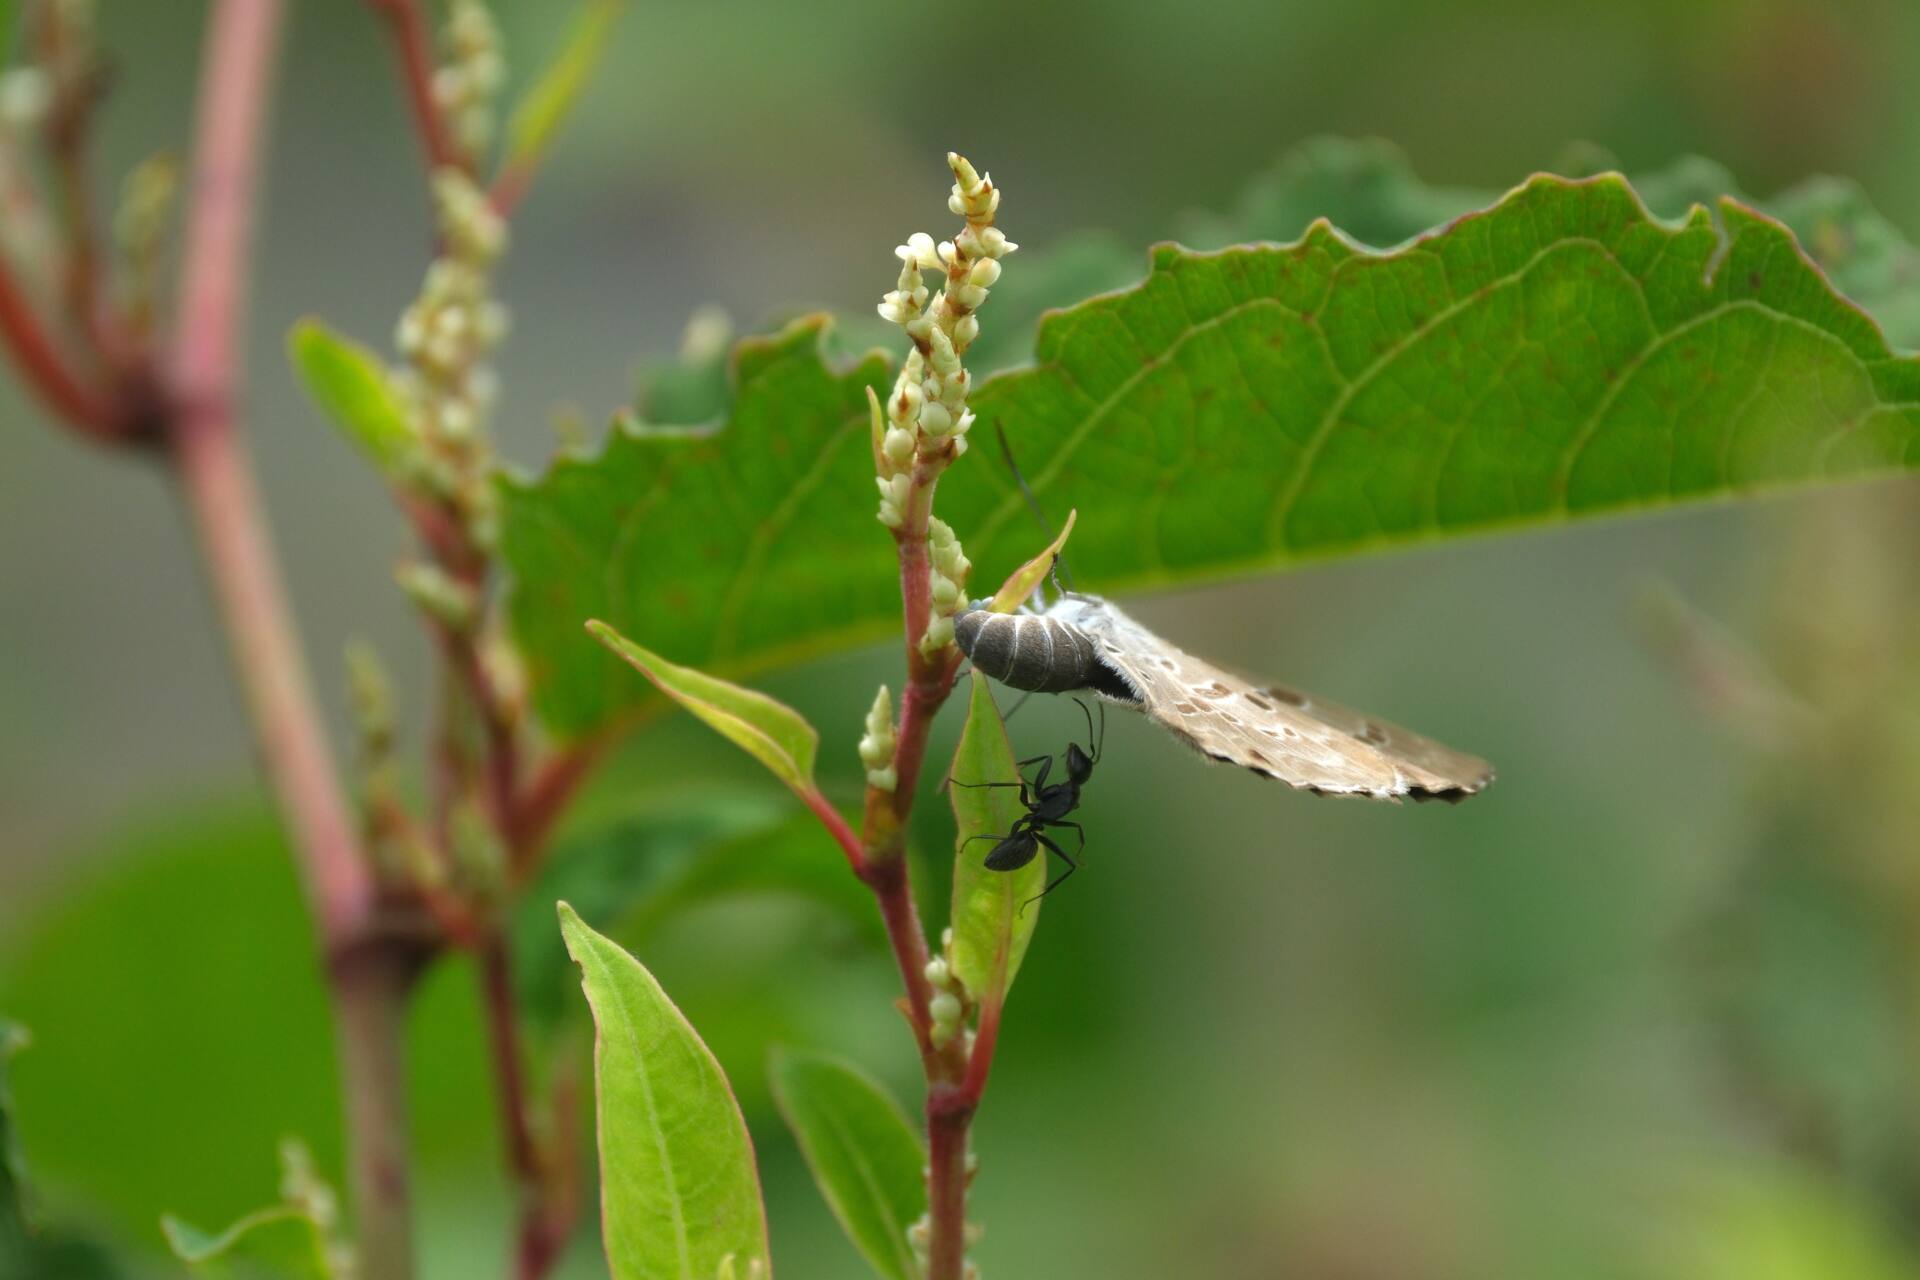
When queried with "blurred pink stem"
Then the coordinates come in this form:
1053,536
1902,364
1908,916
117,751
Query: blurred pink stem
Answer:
370,974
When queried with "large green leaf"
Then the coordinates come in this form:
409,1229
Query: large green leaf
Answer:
867,1159
679,1193
994,912
1562,353
724,549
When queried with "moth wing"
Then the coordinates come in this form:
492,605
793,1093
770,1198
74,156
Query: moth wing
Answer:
1303,741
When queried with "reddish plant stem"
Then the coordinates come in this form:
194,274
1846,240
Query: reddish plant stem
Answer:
546,1213
503,1036
544,797
510,187
370,973
220,489
40,362
414,47
949,1114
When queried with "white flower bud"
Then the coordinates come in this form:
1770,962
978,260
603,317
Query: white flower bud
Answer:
965,424
985,273
904,407
945,1008
934,418
969,296
884,779
959,446
945,594
25,94
920,251
939,635
938,973
956,205
967,327
898,446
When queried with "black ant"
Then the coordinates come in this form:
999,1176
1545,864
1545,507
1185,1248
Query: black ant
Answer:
1047,806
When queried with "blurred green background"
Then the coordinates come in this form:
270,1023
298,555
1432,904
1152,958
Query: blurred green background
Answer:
1647,1009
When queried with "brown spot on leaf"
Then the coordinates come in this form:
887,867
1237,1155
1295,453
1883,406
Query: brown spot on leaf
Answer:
1259,702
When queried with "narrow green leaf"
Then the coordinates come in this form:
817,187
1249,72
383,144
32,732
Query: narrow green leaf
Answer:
539,114
1020,584
679,1193
866,1158
993,911
770,731
9,19
13,1176
349,384
283,1240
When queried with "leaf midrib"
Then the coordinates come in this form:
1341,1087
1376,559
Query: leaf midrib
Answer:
653,1113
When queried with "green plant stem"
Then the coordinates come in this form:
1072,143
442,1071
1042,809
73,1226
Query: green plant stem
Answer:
370,972
370,989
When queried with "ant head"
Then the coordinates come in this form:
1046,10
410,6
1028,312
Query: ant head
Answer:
1079,763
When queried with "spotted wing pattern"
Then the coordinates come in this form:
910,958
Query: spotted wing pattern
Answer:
1273,730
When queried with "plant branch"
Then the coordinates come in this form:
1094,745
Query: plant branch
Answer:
40,362
204,436
413,45
949,1115
370,972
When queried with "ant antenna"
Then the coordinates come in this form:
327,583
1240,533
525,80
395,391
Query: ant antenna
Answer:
1033,504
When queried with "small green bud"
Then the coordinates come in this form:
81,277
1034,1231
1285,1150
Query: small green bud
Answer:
450,603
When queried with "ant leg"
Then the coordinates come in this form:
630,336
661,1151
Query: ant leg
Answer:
1058,880
1075,828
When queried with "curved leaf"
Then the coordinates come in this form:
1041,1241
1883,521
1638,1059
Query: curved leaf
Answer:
868,1160
282,1239
349,384
537,117
679,1194
770,731
994,912
1560,354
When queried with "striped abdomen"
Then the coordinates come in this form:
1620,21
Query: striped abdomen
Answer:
1035,652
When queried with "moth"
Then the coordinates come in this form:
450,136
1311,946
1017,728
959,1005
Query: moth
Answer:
1085,642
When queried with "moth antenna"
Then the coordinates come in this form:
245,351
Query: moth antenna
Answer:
1033,504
